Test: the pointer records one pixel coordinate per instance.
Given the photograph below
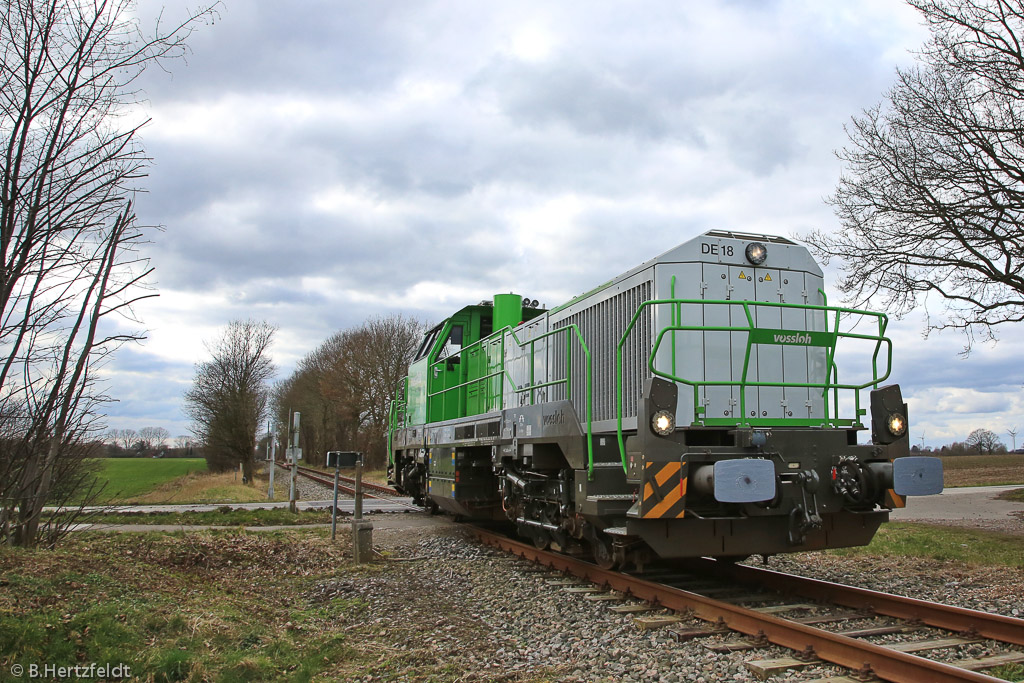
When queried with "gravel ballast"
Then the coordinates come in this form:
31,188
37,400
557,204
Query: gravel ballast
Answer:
447,600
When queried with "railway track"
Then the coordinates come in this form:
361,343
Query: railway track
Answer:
788,625
347,485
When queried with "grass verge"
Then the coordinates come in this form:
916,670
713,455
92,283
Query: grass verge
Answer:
933,542
1016,495
209,606
221,517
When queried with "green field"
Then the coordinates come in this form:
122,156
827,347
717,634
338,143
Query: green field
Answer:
127,478
983,470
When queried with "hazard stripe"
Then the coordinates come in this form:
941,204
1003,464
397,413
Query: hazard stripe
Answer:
661,508
664,491
893,500
668,471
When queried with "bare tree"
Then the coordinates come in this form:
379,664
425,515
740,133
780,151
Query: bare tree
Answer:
182,442
229,395
932,197
153,437
985,441
343,387
69,165
123,438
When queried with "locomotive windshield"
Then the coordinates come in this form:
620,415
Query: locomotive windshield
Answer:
428,342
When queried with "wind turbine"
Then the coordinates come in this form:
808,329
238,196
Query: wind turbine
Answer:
1013,435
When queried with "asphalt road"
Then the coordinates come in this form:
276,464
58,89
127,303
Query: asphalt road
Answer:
971,504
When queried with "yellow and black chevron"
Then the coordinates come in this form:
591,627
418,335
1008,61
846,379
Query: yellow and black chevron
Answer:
893,500
664,490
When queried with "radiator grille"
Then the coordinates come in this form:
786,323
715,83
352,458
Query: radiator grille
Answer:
601,326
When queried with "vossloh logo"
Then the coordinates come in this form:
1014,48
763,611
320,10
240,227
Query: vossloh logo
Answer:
791,338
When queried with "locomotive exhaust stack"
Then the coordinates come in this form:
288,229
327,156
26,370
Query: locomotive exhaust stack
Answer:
702,403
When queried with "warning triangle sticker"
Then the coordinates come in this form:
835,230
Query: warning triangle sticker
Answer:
743,276
767,278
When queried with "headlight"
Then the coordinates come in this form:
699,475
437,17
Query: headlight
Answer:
756,253
663,423
897,424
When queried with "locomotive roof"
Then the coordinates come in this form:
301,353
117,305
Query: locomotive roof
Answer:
689,251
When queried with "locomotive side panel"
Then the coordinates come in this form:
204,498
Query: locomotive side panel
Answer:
601,319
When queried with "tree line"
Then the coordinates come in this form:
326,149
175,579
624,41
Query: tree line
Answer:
128,442
978,442
342,389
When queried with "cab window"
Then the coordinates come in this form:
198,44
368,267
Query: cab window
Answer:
428,342
453,344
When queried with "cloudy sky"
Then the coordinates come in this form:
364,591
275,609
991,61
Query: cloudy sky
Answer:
317,162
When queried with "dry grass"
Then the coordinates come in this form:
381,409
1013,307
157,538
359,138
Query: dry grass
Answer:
213,488
983,470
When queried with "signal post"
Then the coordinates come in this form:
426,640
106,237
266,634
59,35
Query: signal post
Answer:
362,530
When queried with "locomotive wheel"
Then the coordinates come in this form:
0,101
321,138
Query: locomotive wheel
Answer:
603,555
541,540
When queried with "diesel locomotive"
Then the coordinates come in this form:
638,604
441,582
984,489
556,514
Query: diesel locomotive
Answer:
708,402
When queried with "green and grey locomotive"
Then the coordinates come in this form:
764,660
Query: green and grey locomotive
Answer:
692,406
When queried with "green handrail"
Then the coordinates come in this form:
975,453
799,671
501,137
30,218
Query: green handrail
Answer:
393,408
532,385
755,335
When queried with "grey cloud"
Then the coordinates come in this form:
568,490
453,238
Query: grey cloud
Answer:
762,141
285,46
586,99
924,367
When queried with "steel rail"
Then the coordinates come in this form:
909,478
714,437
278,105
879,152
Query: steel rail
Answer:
995,626
844,651
387,491
328,482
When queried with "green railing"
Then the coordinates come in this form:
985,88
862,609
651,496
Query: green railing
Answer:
825,339
398,404
532,387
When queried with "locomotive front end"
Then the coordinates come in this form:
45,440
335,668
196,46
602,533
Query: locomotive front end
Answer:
746,440
765,490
